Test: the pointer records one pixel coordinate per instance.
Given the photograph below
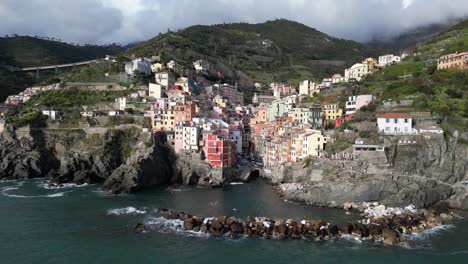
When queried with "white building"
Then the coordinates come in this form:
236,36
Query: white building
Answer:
156,90
174,66
165,79
395,123
52,114
337,78
308,88
121,103
191,137
114,113
88,114
142,65
388,59
236,136
201,66
327,82
356,72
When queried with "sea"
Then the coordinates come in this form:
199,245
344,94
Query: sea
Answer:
82,224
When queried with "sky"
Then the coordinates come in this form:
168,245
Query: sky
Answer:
127,21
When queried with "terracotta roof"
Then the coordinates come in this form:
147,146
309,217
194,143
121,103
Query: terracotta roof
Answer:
394,115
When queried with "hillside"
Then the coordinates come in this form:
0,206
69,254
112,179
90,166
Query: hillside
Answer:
449,41
277,50
24,51
409,39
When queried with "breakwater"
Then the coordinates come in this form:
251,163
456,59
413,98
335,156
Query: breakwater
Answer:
390,226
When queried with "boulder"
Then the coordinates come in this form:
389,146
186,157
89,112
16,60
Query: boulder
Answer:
139,228
391,237
189,224
216,228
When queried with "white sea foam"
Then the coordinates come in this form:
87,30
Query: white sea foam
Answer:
5,192
50,186
429,232
351,238
125,211
164,225
236,183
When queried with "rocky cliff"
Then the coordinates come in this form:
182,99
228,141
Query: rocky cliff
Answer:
432,173
123,160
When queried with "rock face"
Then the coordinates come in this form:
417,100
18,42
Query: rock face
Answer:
433,174
125,160
192,170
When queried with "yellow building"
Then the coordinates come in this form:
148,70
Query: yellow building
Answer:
331,112
372,65
165,120
220,101
313,144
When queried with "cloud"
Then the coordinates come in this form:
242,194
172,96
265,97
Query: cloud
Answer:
123,21
80,21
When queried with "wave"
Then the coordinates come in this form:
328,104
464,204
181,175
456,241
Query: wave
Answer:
429,232
49,186
8,189
351,238
125,211
164,225
236,183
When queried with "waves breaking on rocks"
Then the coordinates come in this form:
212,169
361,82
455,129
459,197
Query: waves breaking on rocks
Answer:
53,186
126,211
392,226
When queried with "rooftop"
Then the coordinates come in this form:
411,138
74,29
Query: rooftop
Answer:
394,115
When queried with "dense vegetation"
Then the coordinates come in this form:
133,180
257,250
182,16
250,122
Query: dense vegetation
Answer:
277,50
443,92
24,51
74,97
452,40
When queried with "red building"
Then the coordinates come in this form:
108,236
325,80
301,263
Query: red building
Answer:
220,152
341,120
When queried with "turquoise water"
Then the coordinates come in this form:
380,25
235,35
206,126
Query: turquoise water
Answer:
82,225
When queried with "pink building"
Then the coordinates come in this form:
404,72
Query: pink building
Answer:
179,137
357,102
162,104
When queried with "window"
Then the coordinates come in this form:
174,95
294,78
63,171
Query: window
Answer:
387,120
396,121
406,120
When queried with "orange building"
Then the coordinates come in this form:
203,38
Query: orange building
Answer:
184,113
453,61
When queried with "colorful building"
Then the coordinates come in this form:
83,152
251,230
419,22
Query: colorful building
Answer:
219,152
453,61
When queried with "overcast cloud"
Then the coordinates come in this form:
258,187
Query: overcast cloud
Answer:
124,21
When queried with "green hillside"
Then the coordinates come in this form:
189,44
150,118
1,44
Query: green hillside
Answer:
23,51
277,50
452,40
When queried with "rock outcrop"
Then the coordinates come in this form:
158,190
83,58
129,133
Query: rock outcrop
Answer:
430,174
124,160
